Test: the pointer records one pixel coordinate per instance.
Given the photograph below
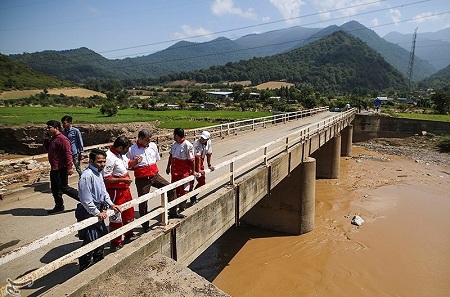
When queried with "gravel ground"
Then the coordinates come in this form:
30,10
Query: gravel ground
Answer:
422,149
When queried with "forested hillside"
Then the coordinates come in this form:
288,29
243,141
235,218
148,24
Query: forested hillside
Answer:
335,63
17,76
439,80
76,65
392,53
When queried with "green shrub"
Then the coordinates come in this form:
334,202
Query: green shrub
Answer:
444,144
110,108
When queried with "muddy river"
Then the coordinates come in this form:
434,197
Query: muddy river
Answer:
402,248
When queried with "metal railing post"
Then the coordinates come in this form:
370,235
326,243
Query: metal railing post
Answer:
232,173
165,214
265,156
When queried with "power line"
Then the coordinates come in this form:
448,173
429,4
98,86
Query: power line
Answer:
278,21
252,48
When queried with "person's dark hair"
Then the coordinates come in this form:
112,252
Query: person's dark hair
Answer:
179,132
144,133
94,153
121,141
66,118
54,124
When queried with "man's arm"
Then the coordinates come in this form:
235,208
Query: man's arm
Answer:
169,163
115,180
208,160
79,141
67,151
108,178
46,141
85,195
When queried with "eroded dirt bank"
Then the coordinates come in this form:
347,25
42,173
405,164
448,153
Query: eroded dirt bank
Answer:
28,140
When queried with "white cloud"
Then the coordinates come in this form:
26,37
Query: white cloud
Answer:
191,32
346,8
223,7
395,15
289,9
375,22
426,17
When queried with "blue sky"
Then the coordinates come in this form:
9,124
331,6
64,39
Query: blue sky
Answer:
129,28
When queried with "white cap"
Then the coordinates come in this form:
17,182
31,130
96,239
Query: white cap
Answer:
205,135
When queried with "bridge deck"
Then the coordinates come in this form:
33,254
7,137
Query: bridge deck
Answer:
26,220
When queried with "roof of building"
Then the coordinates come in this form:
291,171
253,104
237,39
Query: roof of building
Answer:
219,93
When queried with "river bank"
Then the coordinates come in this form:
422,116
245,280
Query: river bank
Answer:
401,249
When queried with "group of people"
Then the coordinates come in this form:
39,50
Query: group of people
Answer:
105,183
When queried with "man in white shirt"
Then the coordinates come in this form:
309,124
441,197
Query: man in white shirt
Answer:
143,156
181,164
117,182
202,149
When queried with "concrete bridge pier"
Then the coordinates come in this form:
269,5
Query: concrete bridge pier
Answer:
290,206
347,139
328,158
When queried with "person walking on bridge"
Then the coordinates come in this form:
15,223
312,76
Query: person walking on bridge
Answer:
181,164
143,156
95,201
117,182
76,141
202,149
60,159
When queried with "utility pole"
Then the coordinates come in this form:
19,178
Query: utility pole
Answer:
411,55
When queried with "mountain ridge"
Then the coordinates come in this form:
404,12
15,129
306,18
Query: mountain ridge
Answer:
190,56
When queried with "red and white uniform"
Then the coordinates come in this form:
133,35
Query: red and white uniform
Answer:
117,166
182,158
150,155
200,151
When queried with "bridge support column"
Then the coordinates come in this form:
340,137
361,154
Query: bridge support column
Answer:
347,139
290,207
328,158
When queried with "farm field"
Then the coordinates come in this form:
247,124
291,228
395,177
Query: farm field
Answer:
79,92
424,116
27,115
273,85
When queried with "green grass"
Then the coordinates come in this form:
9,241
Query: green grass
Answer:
16,116
420,116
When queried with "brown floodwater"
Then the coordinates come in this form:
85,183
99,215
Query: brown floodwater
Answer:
402,248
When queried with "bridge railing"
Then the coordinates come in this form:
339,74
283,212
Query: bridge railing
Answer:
261,156
164,141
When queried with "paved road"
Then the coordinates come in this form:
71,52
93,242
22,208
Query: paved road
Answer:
25,220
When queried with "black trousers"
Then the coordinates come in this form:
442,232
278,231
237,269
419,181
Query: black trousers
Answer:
143,187
89,234
59,183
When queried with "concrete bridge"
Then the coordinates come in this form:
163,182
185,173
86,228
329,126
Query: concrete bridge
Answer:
265,177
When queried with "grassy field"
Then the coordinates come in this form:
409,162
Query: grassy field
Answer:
17,116
420,116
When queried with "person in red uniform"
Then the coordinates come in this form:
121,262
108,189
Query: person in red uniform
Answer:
202,149
143,156
60,158
181,163
117,182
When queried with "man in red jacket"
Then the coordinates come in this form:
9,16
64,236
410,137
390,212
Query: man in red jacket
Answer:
60,157
143,156
181,165
117,182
